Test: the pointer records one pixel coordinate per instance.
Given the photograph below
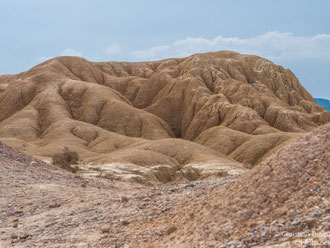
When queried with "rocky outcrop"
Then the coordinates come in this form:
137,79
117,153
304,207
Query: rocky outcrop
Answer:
205,115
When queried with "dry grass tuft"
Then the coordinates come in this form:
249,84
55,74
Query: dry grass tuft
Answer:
65,159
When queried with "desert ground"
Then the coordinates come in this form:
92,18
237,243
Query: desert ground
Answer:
213,150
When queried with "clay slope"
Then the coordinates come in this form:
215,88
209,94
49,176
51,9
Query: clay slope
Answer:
209,114
283,202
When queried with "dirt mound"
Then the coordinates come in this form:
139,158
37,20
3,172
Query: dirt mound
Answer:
205,115
285,199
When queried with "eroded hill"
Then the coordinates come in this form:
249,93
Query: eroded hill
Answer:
206,115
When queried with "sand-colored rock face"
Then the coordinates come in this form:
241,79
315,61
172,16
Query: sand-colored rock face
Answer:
205,115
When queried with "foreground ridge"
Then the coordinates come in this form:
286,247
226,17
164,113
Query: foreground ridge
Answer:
283,202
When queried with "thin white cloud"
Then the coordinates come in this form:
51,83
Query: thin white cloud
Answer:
152,53
71,52
113,49
42,59
272,45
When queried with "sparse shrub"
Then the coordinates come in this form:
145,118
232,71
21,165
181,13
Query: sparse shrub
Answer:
65,159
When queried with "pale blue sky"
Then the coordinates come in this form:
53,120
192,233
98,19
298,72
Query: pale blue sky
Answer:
292,33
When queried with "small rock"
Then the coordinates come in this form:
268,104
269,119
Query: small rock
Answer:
159,233
13,236
317,214
24,236
325,226
19,213
189,185
105,229
54,205
15,224
83,185
164,209
124,222
235,243
295,223
267,170
170,230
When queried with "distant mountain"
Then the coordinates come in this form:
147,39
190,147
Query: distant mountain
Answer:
323,102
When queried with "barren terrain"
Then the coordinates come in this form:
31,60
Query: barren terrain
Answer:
213,150
283,202
204,116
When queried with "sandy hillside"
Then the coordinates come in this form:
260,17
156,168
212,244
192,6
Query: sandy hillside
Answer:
208,115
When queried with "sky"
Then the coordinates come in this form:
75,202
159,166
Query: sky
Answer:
291,33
